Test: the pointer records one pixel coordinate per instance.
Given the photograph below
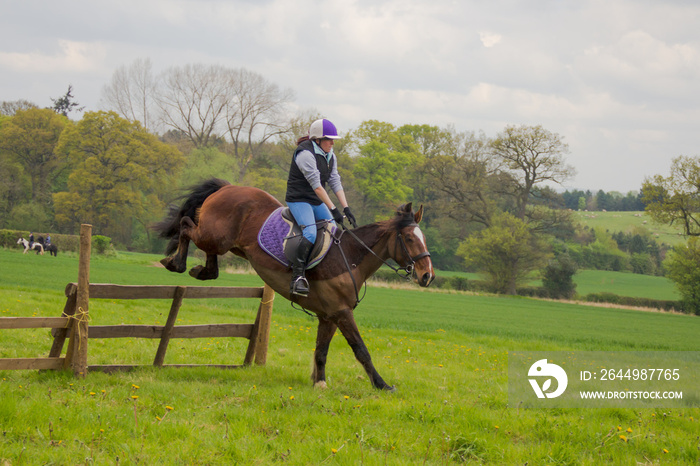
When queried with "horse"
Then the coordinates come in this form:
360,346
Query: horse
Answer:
50,247
38,246
220,217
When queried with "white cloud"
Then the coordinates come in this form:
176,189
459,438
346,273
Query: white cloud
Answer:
489,39
70,56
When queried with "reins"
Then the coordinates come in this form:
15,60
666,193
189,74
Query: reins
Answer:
407,269
404,272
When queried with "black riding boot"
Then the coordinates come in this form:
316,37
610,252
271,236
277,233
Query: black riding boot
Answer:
299,285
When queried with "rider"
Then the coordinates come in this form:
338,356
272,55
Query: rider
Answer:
31,238
48,240
313,165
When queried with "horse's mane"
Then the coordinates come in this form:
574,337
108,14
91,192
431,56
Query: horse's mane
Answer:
399,221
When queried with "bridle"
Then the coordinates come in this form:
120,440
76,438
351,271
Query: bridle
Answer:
404,272
411,262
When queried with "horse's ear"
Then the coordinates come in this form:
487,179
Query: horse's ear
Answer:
419,214
408,208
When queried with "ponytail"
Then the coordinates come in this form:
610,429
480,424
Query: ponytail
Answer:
302,139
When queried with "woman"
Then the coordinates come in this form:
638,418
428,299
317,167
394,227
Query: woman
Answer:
313,166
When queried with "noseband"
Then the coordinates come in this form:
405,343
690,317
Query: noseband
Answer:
411,262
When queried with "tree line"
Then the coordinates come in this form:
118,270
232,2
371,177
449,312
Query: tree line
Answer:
490,202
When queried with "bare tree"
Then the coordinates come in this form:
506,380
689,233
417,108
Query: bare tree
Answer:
10,108
532,155
193,100
465,178
256,112
131,93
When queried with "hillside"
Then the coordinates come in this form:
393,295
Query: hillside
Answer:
630,221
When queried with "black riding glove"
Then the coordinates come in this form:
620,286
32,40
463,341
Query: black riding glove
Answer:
350,217
337,216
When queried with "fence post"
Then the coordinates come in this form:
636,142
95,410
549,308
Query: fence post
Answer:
79,333
263,334
169,324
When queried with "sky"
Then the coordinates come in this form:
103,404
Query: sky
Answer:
618,80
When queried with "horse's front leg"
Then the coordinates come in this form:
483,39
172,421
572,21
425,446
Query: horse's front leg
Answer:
178,261
209,272
324,335
346,324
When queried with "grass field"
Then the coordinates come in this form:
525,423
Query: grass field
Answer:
627,222
446,353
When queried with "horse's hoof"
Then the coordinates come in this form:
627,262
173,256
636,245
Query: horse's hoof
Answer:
390,389
202,273
170,265
321,384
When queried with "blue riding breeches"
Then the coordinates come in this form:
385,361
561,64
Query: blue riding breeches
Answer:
307,215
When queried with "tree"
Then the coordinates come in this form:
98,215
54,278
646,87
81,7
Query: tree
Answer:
121,175
676,199
256,112
558,277
30,138
532,155
381,168
683,267
10,108
193,99
507,252
464,179
131,93
66,104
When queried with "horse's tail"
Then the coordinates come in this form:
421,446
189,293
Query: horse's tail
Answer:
169,227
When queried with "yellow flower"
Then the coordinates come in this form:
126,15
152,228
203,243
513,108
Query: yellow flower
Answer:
346,397
665,451
92,393
619,428
623,438
136,387
291,397
629,429
334,451
158,418
135,397
169,408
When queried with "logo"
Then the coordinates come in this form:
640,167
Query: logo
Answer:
542,368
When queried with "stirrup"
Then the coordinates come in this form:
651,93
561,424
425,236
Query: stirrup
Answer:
300,287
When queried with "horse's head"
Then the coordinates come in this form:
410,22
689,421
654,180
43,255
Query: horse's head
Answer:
408,246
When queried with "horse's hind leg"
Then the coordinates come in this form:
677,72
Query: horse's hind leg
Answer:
324,335
178,261
346,324
209,272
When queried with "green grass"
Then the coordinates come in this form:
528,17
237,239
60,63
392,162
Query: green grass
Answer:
625,284
446,353
627,222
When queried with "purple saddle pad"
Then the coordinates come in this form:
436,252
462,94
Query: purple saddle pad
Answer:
279,228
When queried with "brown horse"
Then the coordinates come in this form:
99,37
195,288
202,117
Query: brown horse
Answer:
219,217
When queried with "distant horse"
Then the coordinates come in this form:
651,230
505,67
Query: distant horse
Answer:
219,217
38,246
49,247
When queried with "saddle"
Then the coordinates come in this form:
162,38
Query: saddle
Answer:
280,236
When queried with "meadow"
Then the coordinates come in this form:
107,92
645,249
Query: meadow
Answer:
631,222
447,354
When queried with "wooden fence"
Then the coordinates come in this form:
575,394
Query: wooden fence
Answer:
74,322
